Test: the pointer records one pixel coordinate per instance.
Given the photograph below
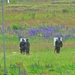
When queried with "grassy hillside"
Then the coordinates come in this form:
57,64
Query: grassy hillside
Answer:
36,13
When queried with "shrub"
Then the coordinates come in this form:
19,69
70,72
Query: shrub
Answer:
12,1
16,26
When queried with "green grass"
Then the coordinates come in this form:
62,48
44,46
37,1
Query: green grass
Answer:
49,62
36,13
42,58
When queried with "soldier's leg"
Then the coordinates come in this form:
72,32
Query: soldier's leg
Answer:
55,50
21,51
27,51
58,51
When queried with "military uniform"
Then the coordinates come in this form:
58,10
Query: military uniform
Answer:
22,46
27,46
58,45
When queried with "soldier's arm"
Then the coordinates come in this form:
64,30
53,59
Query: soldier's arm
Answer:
28,44
20,44
61,44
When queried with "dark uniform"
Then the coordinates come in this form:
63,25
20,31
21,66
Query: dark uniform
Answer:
27,46
22,46
58,45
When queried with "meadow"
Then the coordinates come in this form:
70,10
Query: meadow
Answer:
42,59
39,13
40,22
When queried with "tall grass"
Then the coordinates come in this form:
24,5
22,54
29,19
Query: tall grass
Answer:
41,13
42,59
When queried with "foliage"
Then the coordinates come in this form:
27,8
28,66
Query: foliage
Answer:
40,22
12,1
16,26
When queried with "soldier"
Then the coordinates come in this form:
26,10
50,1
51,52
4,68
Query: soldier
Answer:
58,45
27,46
22,46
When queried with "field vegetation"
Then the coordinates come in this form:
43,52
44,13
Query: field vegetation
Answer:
40,22
36,13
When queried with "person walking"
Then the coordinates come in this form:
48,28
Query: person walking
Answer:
58,45
27,46
22,46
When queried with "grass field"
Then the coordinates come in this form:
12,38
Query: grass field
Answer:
45,62
42,59
39,13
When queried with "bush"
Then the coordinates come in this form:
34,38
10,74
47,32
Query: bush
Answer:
65,11
16,26
12,1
